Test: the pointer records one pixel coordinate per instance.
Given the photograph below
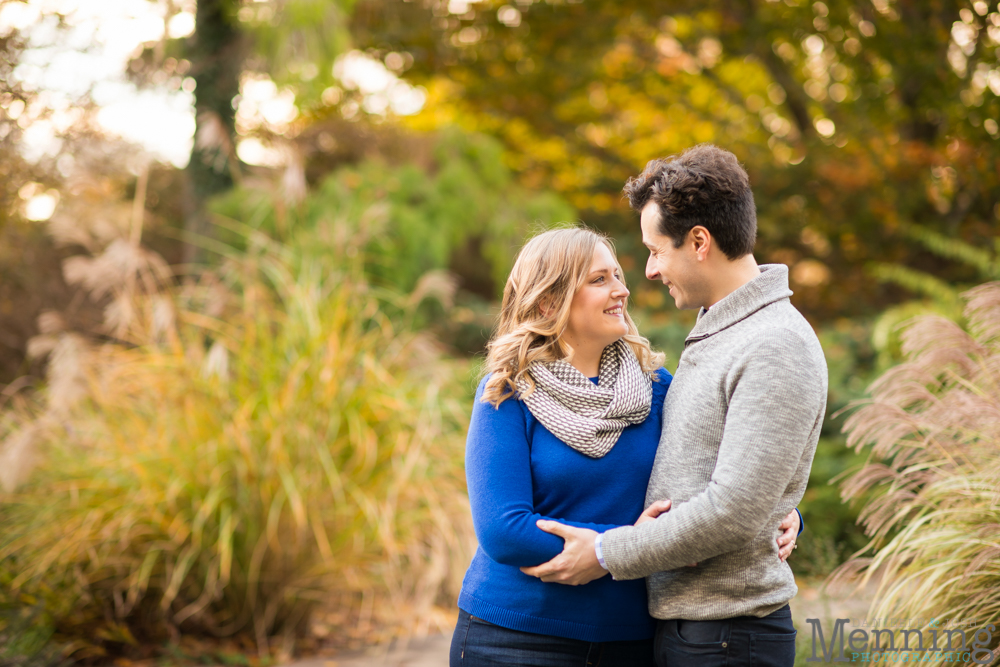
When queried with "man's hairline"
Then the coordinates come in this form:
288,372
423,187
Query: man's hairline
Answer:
675,243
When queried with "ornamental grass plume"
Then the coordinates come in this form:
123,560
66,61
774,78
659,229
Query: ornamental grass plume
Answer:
281,448
933,477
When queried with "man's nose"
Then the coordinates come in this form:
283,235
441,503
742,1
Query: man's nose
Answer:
651,271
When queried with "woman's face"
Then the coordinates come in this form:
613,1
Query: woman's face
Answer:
597,312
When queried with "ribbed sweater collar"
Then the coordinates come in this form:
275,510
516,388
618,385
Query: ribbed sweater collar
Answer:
770,286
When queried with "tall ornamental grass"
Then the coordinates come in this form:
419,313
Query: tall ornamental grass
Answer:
262,446
932,428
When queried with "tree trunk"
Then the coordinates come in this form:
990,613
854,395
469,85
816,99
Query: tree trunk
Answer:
216,51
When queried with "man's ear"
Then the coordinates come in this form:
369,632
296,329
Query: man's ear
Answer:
701,239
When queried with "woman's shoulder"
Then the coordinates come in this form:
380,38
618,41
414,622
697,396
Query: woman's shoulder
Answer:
662,376
511,402
661,382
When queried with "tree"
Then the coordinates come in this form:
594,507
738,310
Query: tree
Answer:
217,51
293,42
857,121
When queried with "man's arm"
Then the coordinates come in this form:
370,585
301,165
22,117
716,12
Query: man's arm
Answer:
580,563
775,404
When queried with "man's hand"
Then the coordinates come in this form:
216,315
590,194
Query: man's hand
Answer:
786,541
653,511
577,564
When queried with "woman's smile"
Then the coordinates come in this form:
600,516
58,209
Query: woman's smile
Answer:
616,310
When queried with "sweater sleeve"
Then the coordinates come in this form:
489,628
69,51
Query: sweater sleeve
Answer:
498,471
775,403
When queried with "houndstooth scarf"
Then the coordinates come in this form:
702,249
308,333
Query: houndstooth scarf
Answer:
588,417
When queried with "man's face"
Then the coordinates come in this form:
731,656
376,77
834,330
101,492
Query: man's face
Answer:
677,268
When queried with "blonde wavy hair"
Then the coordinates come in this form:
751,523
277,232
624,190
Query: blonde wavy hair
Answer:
549,269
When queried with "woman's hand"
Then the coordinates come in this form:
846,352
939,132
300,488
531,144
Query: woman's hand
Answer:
786,541
653,511
577,564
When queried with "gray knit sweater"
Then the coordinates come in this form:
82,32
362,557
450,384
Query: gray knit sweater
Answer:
740,426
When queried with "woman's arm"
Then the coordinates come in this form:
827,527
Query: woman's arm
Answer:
498,470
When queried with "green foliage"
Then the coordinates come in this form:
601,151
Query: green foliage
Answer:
274,444
26,636
985,264
462,211
941,298
932,428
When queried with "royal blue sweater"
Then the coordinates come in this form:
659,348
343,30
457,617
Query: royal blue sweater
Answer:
518,473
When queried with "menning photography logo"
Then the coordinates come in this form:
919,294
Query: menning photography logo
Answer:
903,640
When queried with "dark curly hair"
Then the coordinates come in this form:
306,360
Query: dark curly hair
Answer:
706,186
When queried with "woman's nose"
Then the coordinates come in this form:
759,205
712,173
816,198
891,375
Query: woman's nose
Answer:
620,290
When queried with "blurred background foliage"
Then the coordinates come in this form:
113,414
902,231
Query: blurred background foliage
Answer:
361,173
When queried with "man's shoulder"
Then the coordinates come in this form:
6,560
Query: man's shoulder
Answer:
782,320
780,330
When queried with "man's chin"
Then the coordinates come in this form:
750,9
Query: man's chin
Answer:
684,305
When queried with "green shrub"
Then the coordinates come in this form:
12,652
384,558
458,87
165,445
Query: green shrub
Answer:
462,212
267,443
932,428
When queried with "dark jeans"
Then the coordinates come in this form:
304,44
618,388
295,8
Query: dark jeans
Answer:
743,641
477,643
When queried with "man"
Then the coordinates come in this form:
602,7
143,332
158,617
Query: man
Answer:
740,427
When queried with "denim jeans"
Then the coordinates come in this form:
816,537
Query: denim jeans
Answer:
477,643
742,641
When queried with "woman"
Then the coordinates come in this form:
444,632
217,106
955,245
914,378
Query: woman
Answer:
565,426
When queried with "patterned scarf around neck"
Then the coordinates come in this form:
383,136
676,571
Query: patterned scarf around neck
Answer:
588,417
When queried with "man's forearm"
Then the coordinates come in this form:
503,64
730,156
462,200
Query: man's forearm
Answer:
691,532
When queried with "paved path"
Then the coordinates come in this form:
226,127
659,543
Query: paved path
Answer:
428,652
